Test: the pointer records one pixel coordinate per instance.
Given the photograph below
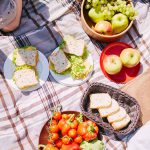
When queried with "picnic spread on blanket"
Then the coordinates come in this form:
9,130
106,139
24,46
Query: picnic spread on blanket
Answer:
75,76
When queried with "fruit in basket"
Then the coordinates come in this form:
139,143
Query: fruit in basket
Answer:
95,15
112,64
119,23
130,57
72,146
104,27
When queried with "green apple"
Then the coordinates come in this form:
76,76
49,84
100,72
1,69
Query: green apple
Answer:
119,23
112,64
104,27
130,57
95,15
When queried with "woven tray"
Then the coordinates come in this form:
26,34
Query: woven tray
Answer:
124,100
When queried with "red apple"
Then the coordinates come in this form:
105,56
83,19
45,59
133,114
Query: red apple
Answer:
104,27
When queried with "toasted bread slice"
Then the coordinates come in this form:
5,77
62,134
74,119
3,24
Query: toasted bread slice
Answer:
121,114
25,77
26,56
104,112
60,61
121,124
74,46
100,100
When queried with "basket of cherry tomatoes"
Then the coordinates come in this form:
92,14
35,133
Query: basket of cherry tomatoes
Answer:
67,131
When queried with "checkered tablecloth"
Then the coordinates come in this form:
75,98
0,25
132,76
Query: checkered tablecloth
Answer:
43,24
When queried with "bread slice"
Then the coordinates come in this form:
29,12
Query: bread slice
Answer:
60,61
100,100
26,56
121,114
105,112
25,77
121,124
74,46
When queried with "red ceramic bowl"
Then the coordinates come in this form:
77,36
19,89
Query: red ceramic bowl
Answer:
126,74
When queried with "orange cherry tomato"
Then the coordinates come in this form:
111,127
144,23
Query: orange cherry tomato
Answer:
50,141
74,124
57,115
65,129
72,133
78,139
53,122
50,147
61,123
65,116
66,140
59,143
54,136
54,129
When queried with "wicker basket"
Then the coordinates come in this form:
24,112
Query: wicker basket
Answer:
124,100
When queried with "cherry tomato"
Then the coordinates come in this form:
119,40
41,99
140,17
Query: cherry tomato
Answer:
74,124
72,146
82,129
50,141
65,116
72,133
54,129
57,115
53,122
59,143
78,139
61,123
66,140
54,136
65,129
50,147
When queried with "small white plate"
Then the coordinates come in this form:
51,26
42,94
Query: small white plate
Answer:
42,69
67,80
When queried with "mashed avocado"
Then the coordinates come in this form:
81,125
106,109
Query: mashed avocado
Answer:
93,145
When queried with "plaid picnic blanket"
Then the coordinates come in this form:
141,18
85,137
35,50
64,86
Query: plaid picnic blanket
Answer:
43,24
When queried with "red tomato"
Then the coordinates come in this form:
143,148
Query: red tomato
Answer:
65,116
74,124
50,147
66,140
54,136
50,141
65,129
54,129
78,139
72,146
59,143
72,133
57,115
88,130
53,122
61,123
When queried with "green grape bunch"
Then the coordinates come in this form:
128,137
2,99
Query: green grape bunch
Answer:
108,8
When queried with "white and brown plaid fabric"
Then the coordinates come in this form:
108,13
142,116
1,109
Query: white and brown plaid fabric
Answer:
43,24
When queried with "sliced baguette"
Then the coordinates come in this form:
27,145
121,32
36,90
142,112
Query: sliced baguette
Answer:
74,46
25,77
121,114
60,61
121,124
26,56
104,112
100,100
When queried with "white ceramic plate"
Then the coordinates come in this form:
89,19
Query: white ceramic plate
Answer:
42,68
67,80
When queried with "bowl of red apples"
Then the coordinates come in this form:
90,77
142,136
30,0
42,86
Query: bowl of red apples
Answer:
107,20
